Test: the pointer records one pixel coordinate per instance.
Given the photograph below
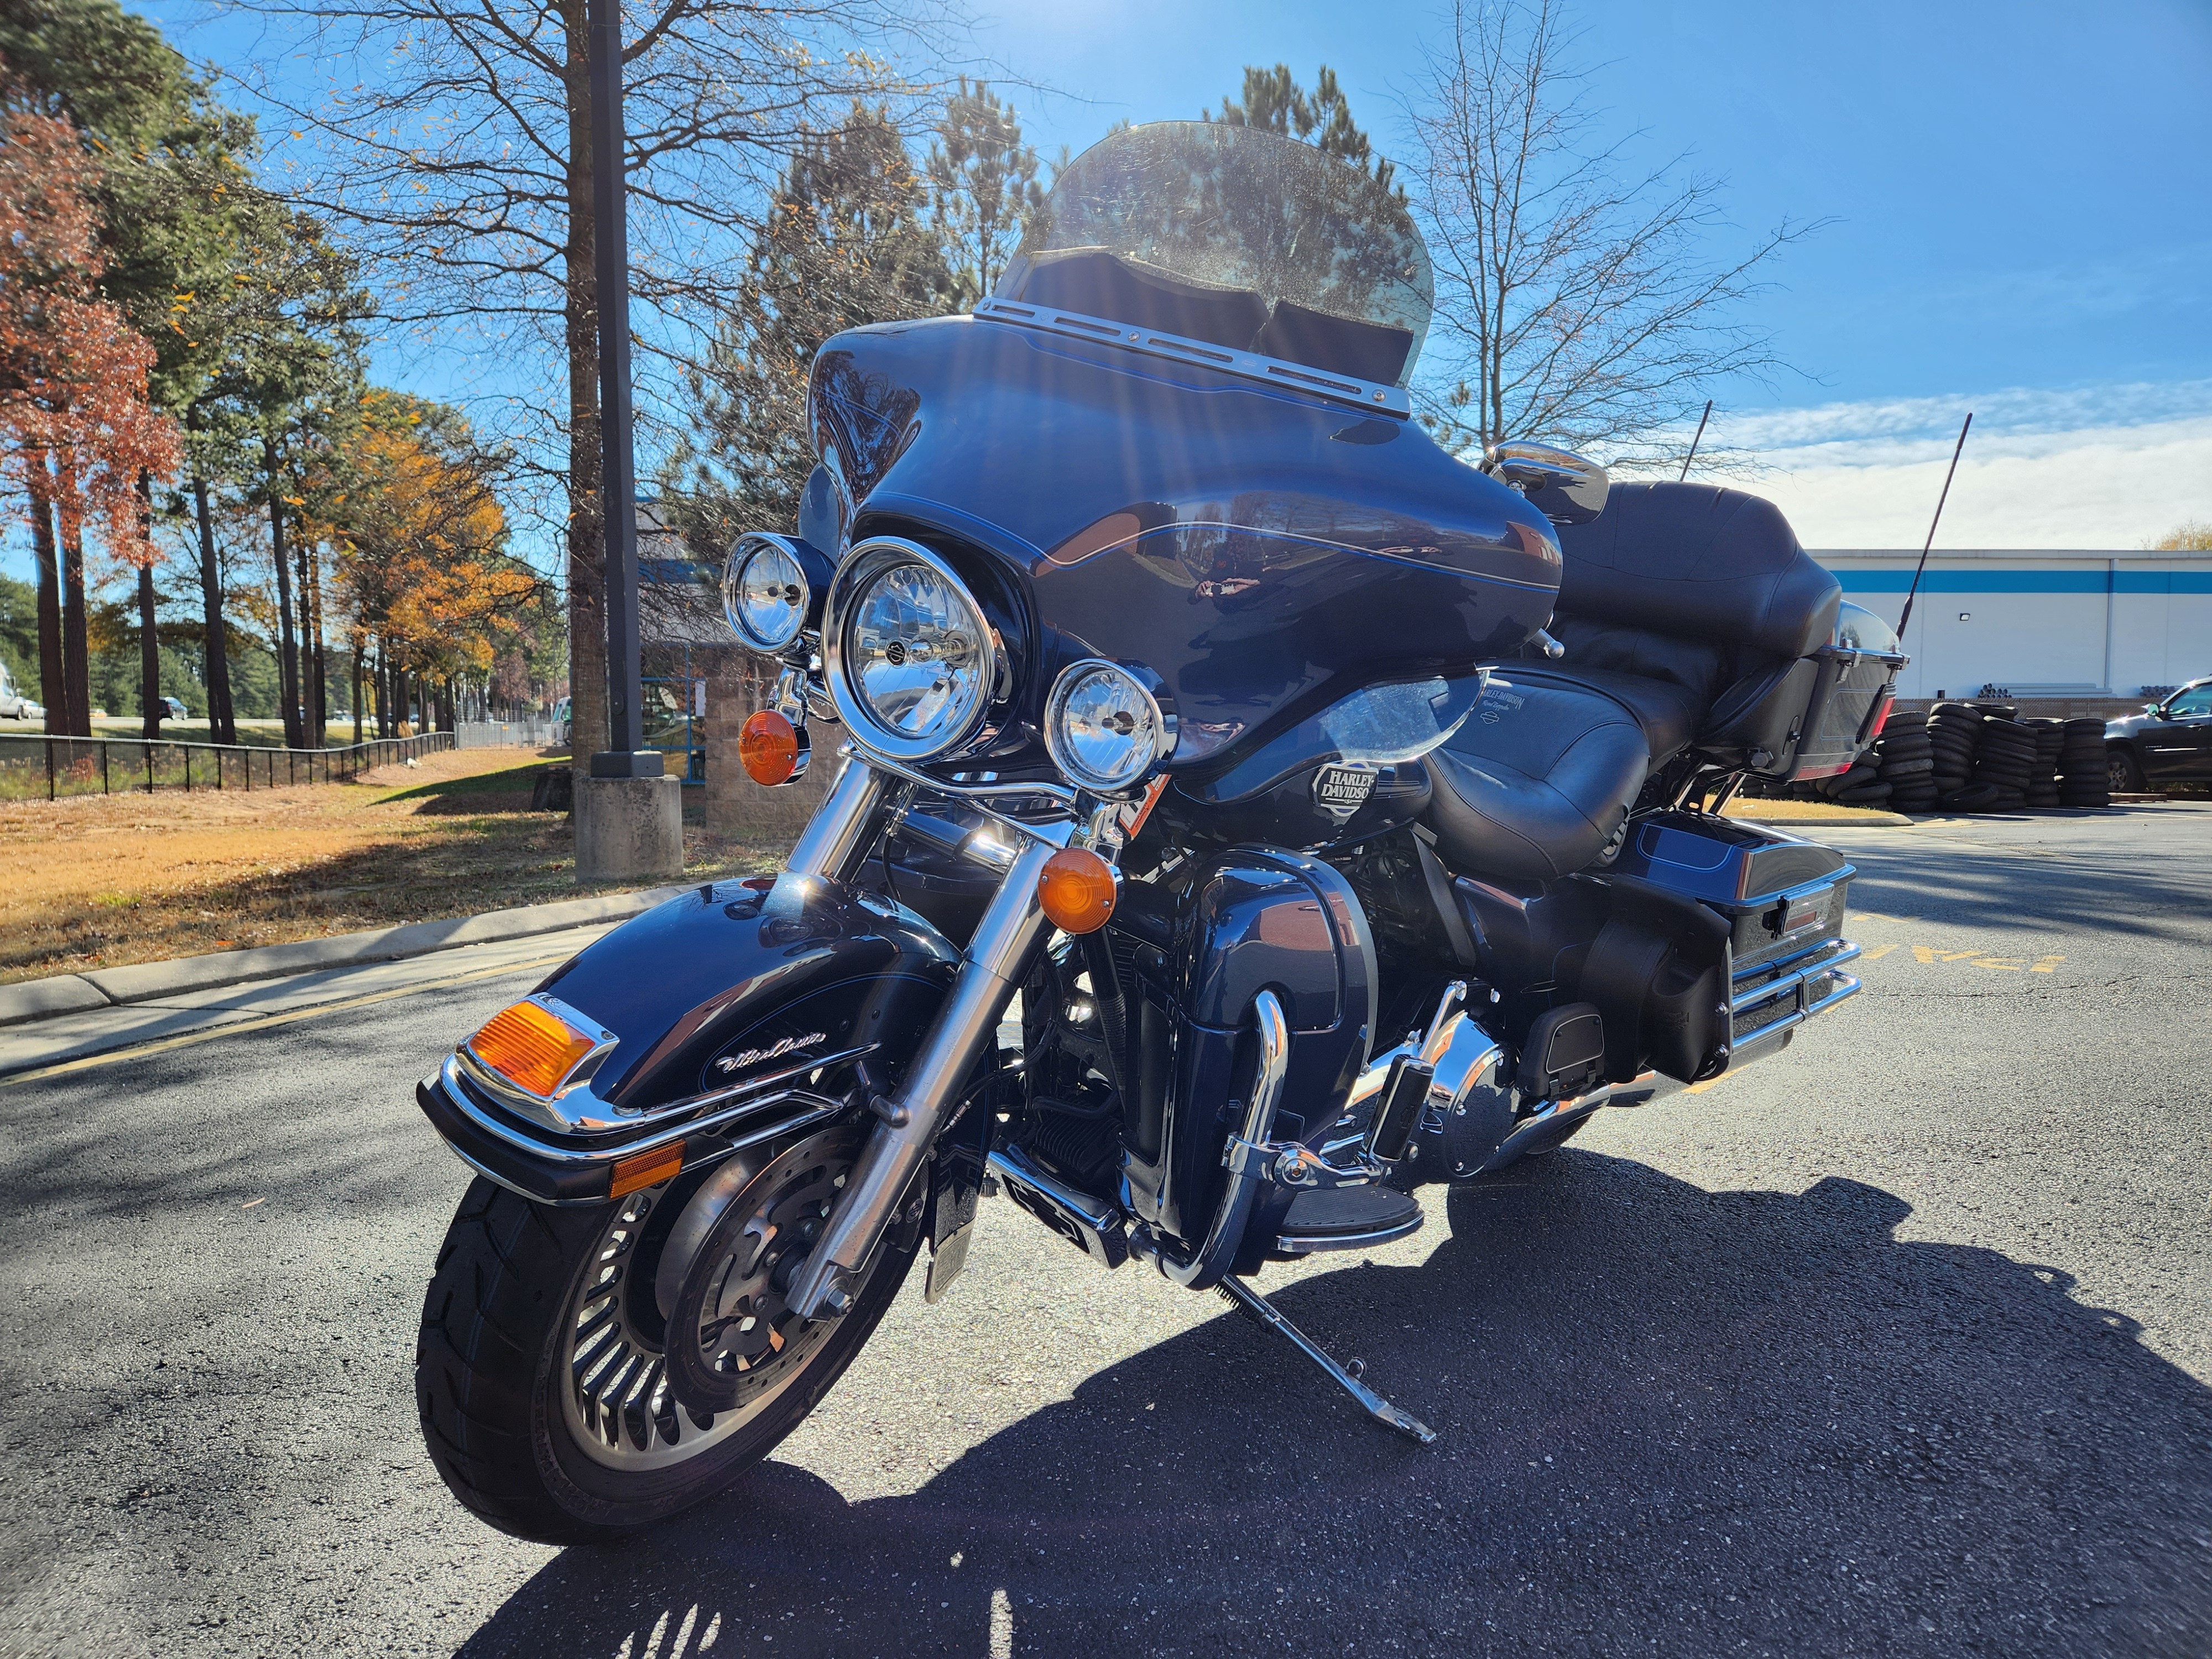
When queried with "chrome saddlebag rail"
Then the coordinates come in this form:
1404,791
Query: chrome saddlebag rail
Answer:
1765,1012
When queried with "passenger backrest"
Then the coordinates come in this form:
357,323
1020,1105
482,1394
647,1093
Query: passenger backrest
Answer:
1696,563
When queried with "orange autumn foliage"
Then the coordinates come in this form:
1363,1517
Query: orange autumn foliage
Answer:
419,535
76,430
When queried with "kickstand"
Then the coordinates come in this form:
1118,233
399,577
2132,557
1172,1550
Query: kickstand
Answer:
1236,1292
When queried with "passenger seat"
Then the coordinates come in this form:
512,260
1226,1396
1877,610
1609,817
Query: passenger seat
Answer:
1685,610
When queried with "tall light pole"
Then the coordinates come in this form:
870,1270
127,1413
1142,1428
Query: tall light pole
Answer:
625,756
630,812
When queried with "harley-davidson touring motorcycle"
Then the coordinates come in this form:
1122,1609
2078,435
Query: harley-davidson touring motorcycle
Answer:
1245,813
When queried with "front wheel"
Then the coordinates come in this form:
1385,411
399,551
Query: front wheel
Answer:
541,1374
2127,774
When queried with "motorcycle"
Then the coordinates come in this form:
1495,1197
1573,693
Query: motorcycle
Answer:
1247,813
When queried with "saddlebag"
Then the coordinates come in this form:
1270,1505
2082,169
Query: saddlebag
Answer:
1691,944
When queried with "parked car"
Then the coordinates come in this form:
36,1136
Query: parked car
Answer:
11,700
2170,742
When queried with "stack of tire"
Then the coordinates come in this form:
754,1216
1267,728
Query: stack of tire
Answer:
1862,785
1954,737
1906,760
2005,760
2085,778
2043,777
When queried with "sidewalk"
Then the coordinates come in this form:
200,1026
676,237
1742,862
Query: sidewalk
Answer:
54,1022
71,1038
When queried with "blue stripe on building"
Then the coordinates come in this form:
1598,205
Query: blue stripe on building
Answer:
2026,581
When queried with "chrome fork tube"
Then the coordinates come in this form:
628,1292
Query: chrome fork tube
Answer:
991,968
842,827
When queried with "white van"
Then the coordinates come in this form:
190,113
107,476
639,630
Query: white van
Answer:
12,701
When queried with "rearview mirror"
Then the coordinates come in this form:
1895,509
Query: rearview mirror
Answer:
1559,483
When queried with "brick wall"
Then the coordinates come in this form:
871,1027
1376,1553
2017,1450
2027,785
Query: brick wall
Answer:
736,685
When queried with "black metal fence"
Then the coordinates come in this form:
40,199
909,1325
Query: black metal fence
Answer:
32,764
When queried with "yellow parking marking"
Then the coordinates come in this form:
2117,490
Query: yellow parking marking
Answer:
1877,953
1929,954
267,1020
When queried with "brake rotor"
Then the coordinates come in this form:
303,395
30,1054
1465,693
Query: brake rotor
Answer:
732,1336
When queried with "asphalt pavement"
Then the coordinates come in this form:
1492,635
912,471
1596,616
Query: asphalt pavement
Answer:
1897,1343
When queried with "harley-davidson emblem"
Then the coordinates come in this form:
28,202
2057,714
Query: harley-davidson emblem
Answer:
1340,791
776,1050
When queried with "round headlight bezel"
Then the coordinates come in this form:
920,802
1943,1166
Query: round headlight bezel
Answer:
867,563
1144,759
751,546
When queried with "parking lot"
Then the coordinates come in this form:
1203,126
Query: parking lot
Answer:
1900,1342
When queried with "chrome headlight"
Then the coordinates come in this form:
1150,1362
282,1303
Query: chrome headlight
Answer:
764,592
1104,728
911,664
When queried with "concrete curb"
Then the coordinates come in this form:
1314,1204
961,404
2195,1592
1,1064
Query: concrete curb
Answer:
1865,818
71,994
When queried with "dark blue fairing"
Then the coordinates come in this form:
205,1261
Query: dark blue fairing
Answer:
726,970
1262,551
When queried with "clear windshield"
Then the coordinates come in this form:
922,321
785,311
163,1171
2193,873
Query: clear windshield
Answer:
1249,240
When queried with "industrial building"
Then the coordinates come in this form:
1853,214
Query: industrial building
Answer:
2038,623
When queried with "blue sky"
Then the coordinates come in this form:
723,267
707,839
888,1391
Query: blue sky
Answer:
2022,203
2021,197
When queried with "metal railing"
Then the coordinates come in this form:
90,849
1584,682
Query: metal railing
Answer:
537,731
85,766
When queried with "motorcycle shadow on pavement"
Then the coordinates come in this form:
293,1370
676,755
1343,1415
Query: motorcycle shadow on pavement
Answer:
1672,1421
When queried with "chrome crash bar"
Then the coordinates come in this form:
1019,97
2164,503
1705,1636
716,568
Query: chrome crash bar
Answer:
1206,1266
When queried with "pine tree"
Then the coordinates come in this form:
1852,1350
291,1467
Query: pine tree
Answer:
1275,100
845,245
983,190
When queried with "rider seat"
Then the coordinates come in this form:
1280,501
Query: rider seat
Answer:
1682,608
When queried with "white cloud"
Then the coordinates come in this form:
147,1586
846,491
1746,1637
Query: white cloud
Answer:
2100,467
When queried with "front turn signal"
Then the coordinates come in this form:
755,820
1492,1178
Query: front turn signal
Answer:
532,1047
768,747
1076,890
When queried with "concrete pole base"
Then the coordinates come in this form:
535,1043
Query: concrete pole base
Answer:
628,828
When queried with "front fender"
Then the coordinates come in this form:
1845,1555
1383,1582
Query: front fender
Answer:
696,984
725,985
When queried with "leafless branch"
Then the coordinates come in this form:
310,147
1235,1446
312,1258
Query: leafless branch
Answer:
1575,300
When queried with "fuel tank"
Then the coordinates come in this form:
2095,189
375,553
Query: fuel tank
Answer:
1263,550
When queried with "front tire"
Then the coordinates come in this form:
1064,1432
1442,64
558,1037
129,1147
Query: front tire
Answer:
2126,772
541,1381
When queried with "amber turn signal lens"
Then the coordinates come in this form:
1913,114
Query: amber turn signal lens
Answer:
642,1169
532,1049
768,747
1077,890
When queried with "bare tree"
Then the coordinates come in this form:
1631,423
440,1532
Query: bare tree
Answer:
1575,300
454,144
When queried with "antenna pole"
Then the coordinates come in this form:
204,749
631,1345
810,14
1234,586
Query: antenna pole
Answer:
1692,455
1913,593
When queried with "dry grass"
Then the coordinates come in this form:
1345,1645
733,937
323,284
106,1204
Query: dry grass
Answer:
1807,811
100,881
